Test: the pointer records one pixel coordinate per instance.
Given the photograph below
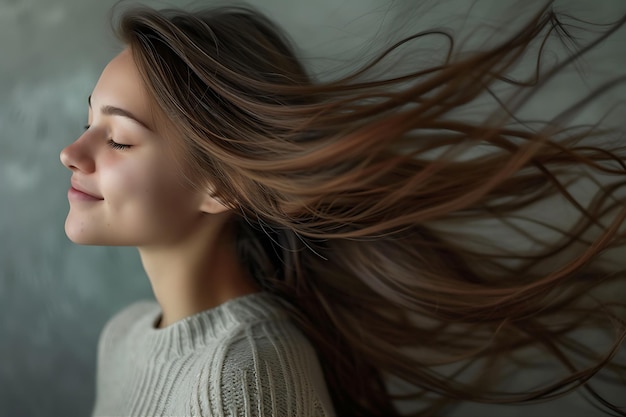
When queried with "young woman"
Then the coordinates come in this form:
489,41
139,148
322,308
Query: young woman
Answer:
315,247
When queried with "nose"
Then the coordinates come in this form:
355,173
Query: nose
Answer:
78,156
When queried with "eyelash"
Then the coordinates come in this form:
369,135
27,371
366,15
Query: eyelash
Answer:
112,143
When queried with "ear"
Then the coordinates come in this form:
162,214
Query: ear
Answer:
211,204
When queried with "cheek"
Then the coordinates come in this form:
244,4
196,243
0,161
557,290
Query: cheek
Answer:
124,182
150,189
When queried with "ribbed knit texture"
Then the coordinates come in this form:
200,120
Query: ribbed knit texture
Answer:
242,358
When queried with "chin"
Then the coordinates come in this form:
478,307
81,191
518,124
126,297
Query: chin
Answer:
81,235
89,234
78,237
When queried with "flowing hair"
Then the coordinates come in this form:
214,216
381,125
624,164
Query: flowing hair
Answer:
366,203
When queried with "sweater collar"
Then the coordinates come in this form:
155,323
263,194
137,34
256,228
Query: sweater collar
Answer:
207,327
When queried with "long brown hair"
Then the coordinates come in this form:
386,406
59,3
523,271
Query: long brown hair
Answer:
364,203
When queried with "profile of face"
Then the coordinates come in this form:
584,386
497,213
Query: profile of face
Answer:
126,188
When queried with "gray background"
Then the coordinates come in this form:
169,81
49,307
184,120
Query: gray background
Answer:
56,296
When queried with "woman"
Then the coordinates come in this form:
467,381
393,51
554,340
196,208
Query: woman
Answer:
310,244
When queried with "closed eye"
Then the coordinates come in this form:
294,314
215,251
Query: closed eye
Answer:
116,145
113,144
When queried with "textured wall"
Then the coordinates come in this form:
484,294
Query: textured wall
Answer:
56,296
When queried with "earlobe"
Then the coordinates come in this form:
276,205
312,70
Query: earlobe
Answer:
212,205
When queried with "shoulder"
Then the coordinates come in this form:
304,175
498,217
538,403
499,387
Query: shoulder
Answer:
266,367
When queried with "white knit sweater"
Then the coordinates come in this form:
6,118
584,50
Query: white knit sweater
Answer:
242,358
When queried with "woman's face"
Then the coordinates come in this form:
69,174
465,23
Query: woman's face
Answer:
126,188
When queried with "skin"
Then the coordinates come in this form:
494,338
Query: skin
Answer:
184,236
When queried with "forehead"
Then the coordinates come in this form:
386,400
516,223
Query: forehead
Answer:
121,85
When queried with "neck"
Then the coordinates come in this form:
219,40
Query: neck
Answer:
197,273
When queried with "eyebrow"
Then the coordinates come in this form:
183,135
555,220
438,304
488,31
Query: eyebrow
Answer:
116,111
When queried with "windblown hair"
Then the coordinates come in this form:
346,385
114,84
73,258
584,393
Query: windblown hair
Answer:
365,203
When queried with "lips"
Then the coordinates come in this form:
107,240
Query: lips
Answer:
78,189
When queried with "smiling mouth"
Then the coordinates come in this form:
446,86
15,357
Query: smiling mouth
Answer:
77,195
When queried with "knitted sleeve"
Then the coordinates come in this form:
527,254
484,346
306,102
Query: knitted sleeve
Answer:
267,369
